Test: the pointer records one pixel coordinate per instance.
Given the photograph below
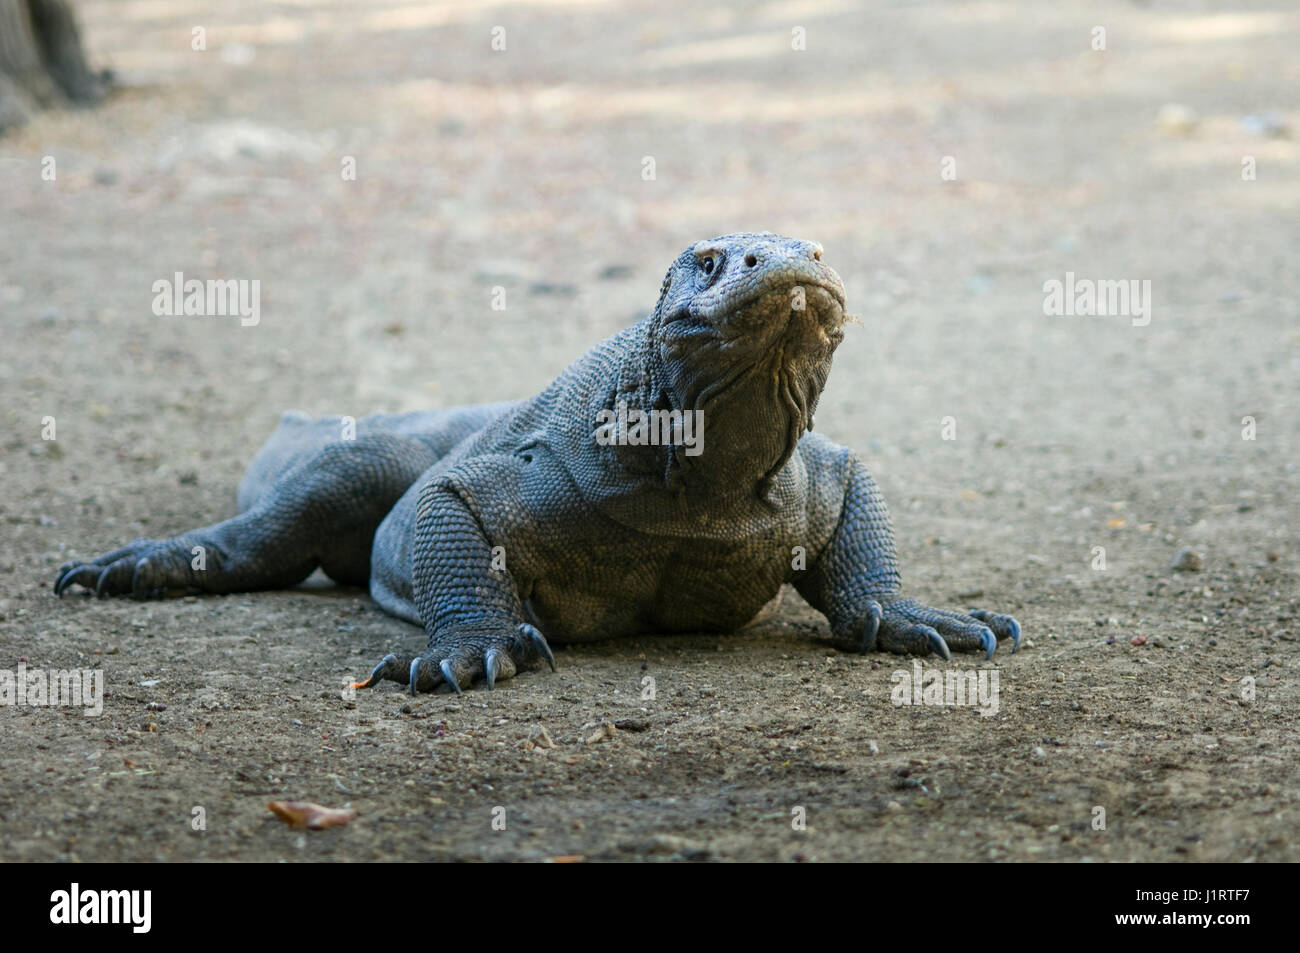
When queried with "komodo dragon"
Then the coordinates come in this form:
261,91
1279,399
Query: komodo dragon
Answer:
497,527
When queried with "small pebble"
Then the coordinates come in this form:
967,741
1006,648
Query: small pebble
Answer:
1187,560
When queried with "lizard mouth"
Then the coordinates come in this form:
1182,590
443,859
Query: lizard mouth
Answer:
793,292
785,333
800,310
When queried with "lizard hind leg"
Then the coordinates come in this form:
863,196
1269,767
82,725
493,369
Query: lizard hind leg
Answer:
322,512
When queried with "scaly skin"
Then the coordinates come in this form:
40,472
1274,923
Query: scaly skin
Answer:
498,527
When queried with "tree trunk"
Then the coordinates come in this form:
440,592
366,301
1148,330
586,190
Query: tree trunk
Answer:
41,60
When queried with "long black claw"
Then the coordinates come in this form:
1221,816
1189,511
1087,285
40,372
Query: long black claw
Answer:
539,644
449,675
871,627
375,678
1015,636
70,576
990,643
939,646
414,675
491,665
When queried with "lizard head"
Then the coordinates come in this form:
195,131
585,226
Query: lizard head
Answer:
743,333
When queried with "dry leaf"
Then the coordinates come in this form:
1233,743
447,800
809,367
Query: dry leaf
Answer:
312,816
607,731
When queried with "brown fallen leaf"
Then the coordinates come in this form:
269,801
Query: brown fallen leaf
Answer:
312,816
606,731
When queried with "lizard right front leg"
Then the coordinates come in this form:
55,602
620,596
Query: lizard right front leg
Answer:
470,610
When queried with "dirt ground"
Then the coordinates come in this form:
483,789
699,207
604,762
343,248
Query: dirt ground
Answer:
523,169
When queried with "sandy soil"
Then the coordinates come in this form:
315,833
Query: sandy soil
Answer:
523,169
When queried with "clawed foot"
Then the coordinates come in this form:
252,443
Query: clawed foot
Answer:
460,658
906,627
144,569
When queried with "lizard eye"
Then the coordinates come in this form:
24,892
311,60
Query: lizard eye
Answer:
707,265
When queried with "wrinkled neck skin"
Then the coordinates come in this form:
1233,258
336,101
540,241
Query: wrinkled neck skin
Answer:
754,407
752,395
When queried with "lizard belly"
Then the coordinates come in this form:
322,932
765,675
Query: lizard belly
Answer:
699,587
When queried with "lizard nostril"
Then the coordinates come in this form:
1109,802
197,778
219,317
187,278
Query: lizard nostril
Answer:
817,254
751,261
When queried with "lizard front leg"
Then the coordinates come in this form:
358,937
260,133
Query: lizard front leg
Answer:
855,583
470,610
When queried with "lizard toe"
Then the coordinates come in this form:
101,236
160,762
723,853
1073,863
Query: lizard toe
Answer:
938,646
81,574
965,636
1003,626
146,579
449,676
537,642
426,673
115,579
916,639
862,635
393,667
497,664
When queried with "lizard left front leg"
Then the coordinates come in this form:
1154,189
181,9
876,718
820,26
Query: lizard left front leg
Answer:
471,611
855,583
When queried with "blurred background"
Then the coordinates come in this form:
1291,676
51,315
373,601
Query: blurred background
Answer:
381,168
508,145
